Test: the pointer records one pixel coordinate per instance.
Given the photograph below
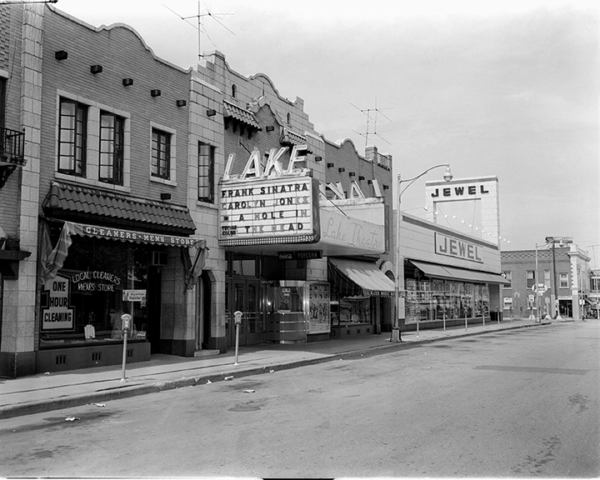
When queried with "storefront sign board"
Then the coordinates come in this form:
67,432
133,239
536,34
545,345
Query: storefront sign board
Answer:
109,233
59,315
456,247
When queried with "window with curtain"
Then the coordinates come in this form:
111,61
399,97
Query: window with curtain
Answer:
161,154
72,131
206,170
111,148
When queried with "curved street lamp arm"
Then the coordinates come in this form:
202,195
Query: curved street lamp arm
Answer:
414,179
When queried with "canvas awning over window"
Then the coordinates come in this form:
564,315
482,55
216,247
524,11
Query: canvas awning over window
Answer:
366,275
452,273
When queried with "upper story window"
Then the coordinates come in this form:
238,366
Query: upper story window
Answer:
161,154
112,133
547,278
595,284
233,91
530,277
508,277
206,172
72,131
289,118
564,280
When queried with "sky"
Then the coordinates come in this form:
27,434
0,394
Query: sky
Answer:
507,89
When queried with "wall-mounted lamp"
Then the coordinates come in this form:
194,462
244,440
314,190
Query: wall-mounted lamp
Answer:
329,165
155,92
211,112
165,196
318,158
61,55
351,174
96,69
270,128
360,177
127,82
341,169
181,103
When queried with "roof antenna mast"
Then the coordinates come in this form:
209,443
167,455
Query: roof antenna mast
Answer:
200,27
371,114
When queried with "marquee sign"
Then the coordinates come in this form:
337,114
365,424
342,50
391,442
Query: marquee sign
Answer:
260,211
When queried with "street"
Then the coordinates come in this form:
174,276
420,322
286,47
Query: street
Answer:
518,403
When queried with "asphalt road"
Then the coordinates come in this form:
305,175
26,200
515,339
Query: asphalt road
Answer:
521,403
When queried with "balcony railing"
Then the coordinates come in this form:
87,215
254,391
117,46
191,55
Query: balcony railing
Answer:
12,146
12,152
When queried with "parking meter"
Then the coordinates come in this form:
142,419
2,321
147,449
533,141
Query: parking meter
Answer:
125,321
237,318
125,326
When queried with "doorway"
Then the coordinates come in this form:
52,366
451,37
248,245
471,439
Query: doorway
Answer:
204,312
243,294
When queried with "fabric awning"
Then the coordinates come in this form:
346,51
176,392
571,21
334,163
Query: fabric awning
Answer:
240,114
453,273
366,275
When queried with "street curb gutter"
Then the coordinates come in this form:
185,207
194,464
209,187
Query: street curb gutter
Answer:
116,393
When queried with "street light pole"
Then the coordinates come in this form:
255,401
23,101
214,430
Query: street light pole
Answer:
396,336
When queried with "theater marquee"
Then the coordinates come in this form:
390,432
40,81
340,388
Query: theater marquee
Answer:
261,211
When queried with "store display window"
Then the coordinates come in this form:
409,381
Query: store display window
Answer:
84,302
437,299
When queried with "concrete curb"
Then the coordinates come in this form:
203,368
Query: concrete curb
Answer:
126,391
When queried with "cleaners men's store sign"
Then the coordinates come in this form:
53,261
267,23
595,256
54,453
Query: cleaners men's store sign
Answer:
457,248
59,315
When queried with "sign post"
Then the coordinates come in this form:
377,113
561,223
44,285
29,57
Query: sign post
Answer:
125,325
237,315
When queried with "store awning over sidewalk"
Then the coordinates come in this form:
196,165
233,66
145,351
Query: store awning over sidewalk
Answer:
366,275
452,273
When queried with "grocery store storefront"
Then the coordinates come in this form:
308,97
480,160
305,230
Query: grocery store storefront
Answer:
449,278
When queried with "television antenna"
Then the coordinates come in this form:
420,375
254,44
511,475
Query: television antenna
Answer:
200,27
371,115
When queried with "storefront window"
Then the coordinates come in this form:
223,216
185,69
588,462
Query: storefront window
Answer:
437,299
84,302
354,310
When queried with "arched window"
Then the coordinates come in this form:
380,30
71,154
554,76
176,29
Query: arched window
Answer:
289,118
233,90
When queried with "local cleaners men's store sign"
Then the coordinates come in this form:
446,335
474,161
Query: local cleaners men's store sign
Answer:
268,207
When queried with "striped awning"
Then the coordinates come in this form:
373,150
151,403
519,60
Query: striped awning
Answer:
240,114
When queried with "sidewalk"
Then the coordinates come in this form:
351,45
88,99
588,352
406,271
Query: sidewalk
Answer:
57,390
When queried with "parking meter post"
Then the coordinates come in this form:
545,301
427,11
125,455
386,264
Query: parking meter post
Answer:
125,324
237,315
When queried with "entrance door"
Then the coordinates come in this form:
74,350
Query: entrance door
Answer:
244,296
203,316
